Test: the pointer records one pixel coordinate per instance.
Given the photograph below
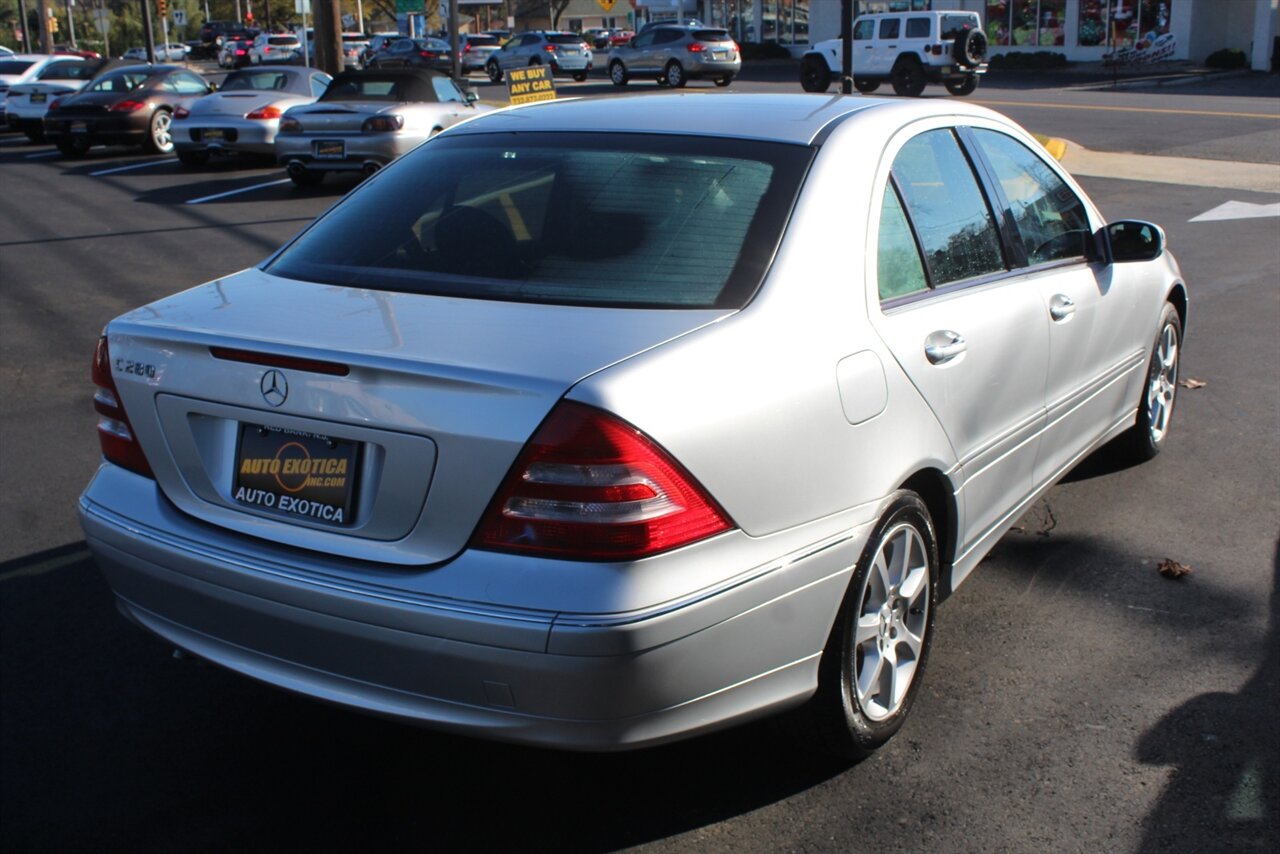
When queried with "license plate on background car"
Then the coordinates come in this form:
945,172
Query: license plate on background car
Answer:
305,475
79,127
39,97
212,135
719,54
331,149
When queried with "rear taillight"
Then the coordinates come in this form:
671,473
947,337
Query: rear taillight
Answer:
129,106
57,102
288,125
382,124
181,113
935,49
241,52
550,48
115,433
589,486
270,111
696,47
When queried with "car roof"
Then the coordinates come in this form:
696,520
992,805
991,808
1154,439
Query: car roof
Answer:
787,118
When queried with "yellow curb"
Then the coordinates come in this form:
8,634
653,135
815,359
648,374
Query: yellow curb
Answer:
1053,145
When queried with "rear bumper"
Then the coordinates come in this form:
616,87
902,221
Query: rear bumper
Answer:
124,130
238,136
360,149
588,682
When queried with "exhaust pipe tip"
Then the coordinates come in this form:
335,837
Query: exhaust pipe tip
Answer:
370,167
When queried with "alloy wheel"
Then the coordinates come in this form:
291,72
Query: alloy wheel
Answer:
1163,383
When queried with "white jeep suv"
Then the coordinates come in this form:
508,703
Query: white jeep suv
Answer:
908,49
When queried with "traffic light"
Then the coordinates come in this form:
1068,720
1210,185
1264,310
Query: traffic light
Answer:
162,6
53,24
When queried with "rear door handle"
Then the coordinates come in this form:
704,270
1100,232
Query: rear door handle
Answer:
943,346
1061,307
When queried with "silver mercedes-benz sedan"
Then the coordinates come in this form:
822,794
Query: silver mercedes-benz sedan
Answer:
598,424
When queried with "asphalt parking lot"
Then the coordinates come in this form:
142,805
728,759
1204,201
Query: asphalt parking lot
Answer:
1076,699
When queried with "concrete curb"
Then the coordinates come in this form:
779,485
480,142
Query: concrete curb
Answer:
1159,80
1056,147
1187,171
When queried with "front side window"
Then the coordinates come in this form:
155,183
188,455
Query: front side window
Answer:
121,83
950,212
864,31
1050,217
899,270
674,222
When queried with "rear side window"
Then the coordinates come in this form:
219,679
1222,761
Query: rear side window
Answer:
899,270
889,28
1050,217
953,25
950,212
918,28
590,219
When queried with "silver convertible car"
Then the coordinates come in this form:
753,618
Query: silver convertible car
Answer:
598,424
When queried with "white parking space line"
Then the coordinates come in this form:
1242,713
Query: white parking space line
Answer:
20,141
235,192
133,166
43,154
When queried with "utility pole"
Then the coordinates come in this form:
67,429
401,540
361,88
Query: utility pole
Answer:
46,37
71,22
453,40
26,26
846,50
146,30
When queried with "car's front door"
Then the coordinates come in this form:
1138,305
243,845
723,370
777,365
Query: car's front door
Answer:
1093,350
885,46
641,53
969,333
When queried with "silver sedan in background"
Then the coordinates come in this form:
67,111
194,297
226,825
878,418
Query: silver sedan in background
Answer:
600,423
243,116
368,118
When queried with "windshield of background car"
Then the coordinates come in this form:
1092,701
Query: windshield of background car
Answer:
14,66
259,81
121,81
367,87
577,219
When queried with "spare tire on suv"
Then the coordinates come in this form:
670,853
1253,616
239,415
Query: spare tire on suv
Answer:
970,48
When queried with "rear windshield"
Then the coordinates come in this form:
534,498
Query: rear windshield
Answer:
711,35
575,219
259,81
377,87
482,41
68,71
282,40
14,66
953,25
564,38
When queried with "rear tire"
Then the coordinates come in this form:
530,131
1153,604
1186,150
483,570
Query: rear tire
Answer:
865,86
1155,410
874,660
306,178
580,76
908,78
960,88
815,76
675,75
724,81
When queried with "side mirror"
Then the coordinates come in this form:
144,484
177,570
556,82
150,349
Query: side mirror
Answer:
213,87
1134,240
472,97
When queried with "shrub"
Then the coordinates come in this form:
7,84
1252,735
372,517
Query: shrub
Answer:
1228,57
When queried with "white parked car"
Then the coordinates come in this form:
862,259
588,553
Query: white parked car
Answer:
164,53
460,454
27,102
20,68
273,48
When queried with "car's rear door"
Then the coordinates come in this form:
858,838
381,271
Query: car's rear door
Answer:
969,333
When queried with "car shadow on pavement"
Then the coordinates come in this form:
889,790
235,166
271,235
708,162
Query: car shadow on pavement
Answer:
110,743
1225,752
244,187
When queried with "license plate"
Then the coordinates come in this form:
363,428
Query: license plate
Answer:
39,97
569,49
302,475
331,149
719,54
79,127
946,69
212,135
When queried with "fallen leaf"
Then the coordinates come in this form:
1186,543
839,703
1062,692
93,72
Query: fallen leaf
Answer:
1192,383
1170,568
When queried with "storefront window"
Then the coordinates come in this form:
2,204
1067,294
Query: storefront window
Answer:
1123,23
1026,22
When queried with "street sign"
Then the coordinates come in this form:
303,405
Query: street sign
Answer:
180,17
102,17
302,7
607,5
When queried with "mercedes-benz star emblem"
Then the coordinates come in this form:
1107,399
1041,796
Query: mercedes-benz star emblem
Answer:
275,388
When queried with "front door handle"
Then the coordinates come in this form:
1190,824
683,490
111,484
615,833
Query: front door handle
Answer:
943,346
1061,307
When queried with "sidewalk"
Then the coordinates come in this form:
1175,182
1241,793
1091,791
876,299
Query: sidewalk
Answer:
1257,177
